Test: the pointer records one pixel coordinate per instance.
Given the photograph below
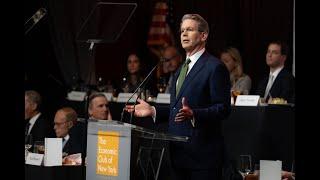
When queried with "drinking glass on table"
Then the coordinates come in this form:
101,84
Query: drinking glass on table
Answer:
293,170
28,142
39,147
27,145
245,164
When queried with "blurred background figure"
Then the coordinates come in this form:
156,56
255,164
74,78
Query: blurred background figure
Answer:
172,62
134,75
64,120
240,81
279,83
37,127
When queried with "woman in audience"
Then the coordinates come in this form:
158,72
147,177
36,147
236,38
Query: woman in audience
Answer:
133,78
239,81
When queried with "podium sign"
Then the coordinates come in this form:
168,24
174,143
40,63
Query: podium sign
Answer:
110,151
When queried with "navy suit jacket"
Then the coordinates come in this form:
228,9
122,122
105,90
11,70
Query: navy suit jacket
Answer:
207,91
282,87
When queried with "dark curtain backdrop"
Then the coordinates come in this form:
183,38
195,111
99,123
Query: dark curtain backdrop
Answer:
246,24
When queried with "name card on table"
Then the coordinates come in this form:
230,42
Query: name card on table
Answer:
270,170
108,96
247,100
163,98
76,96
53,152
123,97
34,159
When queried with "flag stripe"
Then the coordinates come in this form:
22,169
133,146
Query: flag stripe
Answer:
159,32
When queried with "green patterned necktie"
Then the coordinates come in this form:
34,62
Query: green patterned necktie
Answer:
182,75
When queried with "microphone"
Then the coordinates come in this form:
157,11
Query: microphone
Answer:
136,90
33,20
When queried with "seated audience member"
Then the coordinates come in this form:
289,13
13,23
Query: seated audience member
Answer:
172,63
64,121
37,127
239,80
279,83
99,107
134,77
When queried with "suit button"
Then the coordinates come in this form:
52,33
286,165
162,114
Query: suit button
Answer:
174,108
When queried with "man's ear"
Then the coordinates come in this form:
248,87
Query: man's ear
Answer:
204,36
284,58
34,106
90,112
70,124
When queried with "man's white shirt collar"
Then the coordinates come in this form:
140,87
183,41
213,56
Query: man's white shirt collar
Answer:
194,58
276,72
66,138
32,121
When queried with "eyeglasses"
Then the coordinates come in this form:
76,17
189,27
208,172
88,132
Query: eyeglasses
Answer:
168,59
59,124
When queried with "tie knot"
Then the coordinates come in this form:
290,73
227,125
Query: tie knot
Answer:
187,61
271,76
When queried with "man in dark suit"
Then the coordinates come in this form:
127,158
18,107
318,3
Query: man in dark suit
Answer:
172,63
199,102
37,127
64,120
279,83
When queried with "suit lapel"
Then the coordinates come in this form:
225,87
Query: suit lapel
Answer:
35,126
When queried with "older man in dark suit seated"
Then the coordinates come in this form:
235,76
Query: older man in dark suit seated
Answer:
64,120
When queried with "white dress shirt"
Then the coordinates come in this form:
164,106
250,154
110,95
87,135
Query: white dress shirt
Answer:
274,74
66,138
32,121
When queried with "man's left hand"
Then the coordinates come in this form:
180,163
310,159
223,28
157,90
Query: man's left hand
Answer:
185,113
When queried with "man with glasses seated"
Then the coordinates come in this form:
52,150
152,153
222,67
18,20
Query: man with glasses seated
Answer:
64,121
172,62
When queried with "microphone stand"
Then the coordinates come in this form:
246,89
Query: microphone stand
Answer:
136,90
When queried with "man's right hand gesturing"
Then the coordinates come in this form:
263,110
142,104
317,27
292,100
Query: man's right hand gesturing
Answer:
143,109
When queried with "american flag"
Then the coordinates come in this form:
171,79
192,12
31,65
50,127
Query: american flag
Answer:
160,34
